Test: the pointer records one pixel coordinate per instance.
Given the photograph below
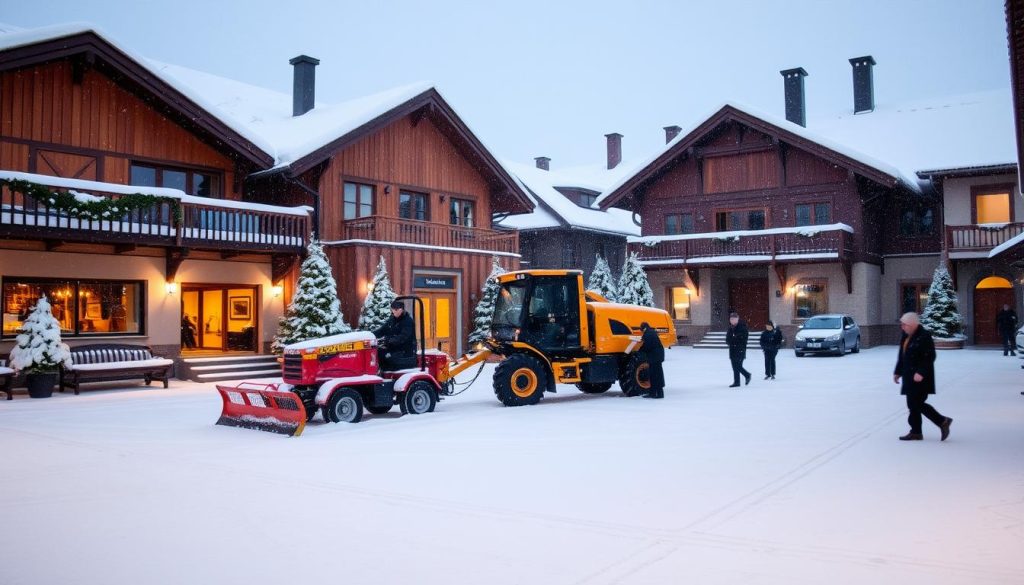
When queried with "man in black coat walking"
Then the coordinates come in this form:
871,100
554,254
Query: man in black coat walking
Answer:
397,340
916,366
654,353
736,339
1006,322
771,341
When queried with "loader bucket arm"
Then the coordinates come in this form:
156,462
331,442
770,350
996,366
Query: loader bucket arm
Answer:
262,407
465,362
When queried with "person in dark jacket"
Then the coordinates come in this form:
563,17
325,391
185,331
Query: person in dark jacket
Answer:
915,365
188,332
771,341
397,339
1006,322
654,353
736,339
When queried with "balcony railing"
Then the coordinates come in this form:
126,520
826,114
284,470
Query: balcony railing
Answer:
786,244
423,233
980,238
200,223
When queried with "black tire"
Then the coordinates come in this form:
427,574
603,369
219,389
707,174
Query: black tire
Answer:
311,409
345,405
799,353
856,346
379,409
519,380
418,398
842,347
594,387
635,378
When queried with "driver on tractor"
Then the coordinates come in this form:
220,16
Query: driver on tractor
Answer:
397,340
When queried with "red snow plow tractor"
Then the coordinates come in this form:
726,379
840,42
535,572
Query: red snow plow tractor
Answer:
546,327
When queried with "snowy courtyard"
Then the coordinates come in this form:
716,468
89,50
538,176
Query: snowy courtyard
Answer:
797,480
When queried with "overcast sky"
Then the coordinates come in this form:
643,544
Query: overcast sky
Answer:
550,78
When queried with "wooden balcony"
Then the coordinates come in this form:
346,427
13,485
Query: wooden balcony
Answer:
376,228
977,240
189,222
809,243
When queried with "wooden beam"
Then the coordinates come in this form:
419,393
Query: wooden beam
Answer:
281,265
694,275
175,256
418,115
123,248
848,273
226,254
780,273
54,245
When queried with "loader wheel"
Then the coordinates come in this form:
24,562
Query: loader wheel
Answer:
419,398
379,409
345,405
519,380
636,378
594,388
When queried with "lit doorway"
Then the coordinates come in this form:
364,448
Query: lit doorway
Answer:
440,308
224,317
989,297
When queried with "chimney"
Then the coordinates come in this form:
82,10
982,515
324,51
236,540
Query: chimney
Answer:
796,109
614,149
543,163
304,85
863,84
671,132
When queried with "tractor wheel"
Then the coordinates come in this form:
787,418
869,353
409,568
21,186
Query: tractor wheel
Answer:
635,379
594,387
379,409
519,380
419,398
345,405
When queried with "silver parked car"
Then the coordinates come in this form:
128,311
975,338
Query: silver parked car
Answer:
827,334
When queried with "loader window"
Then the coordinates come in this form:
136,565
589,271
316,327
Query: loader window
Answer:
553,317
508,308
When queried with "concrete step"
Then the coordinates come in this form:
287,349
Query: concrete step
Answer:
716,340
240,375
206,369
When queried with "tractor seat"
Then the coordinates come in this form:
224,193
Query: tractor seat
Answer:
398,363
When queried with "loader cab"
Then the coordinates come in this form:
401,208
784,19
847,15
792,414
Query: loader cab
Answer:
542,309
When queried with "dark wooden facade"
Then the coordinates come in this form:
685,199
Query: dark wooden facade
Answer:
568,247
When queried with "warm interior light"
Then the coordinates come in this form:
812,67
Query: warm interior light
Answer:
171,287
277,290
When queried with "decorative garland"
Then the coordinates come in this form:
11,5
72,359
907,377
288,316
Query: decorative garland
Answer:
102,209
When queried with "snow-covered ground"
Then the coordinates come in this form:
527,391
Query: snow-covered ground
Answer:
800,480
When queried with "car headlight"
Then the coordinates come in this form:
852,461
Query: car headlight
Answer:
833,337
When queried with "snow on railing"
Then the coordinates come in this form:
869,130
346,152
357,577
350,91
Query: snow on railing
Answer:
818,241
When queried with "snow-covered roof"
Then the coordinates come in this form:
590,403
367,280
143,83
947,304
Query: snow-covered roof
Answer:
553,209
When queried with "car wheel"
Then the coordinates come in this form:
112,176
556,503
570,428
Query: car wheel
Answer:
799,353
842,348
856,346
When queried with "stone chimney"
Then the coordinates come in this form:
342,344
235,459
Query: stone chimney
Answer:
543,163
863,84
671,132
614,149
304,85
796,109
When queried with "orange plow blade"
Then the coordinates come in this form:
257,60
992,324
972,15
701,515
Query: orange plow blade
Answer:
262,407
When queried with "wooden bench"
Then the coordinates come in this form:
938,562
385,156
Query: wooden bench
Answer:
6,379
103,362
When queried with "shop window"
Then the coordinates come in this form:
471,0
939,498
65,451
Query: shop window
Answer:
810,299
678,302
913,297
82,307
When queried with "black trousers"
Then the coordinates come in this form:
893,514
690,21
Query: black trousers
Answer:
1009,344
917,406
769,361
737,369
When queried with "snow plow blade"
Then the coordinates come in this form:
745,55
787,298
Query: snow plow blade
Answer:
262,407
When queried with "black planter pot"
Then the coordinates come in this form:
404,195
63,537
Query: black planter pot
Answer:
40,385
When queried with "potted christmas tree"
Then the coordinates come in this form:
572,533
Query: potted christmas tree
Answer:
941,316
39,352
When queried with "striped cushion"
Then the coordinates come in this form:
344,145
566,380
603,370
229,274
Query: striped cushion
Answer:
102,356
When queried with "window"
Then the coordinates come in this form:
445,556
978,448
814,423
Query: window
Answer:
809,299
813,214
740,219
461,212
412,205
678,302
913,297
358,200
917,221
992,204
82,307
192,182
587,199
681,223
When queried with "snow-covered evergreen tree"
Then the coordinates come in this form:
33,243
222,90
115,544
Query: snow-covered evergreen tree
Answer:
601,280
38,348
484,312
377,305
633,286
315,310
941,316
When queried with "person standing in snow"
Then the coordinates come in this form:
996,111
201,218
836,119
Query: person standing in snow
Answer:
654,353
915,364
736,339
1006,322
397,339
771,341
